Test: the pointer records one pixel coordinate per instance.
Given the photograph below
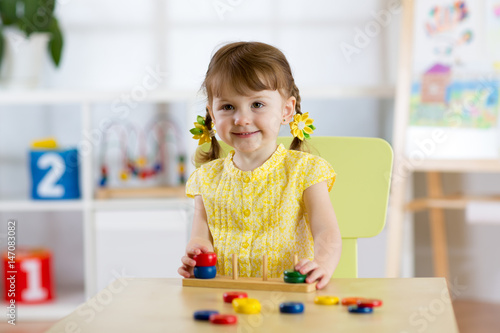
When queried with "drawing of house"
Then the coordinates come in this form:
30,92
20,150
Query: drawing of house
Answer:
434,83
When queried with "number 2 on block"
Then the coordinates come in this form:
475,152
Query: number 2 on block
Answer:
48,187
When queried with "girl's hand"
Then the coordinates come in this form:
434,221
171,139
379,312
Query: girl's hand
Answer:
315,271
188,263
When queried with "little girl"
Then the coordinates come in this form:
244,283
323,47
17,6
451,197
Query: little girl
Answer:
262,198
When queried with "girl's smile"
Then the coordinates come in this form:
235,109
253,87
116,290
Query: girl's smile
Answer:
245,134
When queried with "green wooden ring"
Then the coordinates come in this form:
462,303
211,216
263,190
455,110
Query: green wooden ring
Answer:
297,279
293,273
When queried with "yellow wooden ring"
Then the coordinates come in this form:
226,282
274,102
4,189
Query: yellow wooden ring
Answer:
246,305
326,300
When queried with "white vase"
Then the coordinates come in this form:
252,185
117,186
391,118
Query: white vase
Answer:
23,59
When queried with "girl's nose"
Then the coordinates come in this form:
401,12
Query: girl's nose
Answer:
241,118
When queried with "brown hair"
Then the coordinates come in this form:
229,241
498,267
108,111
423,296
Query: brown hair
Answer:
244,67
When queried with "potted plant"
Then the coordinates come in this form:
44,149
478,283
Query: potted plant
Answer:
28,19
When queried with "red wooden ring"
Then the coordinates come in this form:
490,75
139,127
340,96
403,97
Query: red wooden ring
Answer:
230,295
205,259
223,319
369,303
352,300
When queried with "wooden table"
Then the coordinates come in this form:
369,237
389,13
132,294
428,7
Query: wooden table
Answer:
163,305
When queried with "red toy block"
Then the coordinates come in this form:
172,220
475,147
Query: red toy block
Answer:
28,276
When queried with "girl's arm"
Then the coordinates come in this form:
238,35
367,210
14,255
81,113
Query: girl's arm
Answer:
326,235
200,241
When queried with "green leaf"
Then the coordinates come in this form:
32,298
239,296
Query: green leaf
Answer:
8,11
311,127
2,43
37,15
56,42
307,136
200,120
196,131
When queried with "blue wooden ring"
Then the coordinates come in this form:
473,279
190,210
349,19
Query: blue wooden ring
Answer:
204,314
205,272
291,307
359,309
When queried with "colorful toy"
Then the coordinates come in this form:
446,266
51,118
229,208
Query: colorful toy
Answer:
250,283
292,307
145,163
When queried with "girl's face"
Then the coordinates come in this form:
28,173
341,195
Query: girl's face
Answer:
250,124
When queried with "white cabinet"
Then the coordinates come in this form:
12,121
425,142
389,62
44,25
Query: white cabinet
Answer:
139,243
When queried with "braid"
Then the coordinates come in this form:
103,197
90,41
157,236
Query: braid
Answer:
214,152
297,144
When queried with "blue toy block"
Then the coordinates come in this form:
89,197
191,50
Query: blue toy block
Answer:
54,174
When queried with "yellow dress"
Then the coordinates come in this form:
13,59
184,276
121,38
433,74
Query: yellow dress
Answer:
252,213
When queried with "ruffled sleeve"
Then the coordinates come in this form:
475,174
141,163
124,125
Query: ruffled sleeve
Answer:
318,170
193,184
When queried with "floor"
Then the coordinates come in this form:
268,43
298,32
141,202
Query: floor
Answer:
472,317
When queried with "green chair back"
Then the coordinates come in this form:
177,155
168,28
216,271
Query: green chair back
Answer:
361,190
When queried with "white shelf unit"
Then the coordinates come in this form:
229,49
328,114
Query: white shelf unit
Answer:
67,301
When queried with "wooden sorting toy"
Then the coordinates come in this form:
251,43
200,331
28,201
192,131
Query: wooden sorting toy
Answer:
250,283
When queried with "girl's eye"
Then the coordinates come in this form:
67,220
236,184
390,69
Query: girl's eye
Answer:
227,107
257,105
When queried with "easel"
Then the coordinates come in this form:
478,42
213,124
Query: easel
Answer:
436,201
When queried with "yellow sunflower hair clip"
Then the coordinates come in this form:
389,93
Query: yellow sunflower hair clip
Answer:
201,132
302,126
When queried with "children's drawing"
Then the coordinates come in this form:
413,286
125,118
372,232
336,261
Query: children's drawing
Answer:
453,85
458,104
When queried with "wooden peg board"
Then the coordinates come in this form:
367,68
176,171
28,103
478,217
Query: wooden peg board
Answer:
249,283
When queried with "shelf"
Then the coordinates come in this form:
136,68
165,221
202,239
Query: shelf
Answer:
76,97
65,303
178,192
46,205
139,204
458,165
107,204
448,202
333,92
48,96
